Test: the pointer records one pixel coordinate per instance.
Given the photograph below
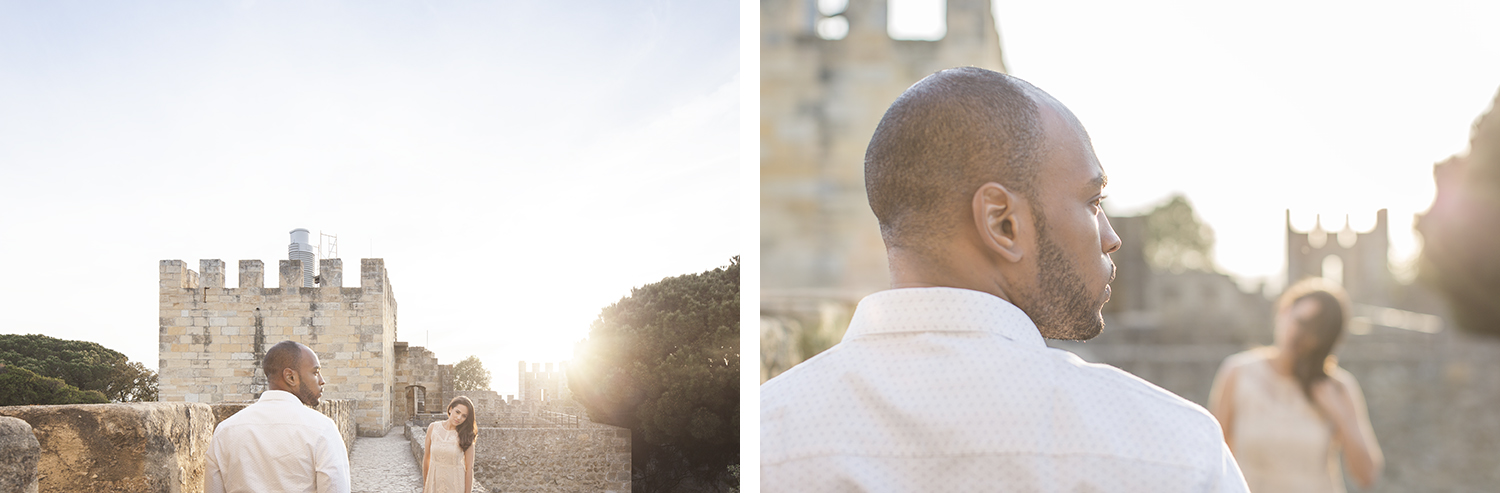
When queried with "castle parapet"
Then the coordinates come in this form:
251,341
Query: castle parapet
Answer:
372,274
175,275
211,273
290,275
252,274
135,447
331,273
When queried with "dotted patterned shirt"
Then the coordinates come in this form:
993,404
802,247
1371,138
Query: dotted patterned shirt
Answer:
943,389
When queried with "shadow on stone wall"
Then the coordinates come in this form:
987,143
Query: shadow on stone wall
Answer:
156,447
135,447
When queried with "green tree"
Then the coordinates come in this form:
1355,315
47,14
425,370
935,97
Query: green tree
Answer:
82,364
470,374
1176,239
665,363
22,387
1459,238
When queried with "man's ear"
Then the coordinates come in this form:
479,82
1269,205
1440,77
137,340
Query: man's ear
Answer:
998,223
289,376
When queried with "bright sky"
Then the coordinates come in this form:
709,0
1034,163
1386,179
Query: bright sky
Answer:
518,165
1251,108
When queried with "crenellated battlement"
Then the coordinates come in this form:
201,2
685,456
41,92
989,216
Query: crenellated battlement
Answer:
543,383
174,274
212,338
1357,260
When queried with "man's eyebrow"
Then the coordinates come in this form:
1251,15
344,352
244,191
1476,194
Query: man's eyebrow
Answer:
1100,181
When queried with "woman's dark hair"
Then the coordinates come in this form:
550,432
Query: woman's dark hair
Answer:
470,427
1313,342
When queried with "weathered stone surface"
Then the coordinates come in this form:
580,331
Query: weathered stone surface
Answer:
553,459
19,453
136,447
212,339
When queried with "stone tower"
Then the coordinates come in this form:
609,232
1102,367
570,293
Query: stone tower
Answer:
820,102
213,338
1362,258
543,384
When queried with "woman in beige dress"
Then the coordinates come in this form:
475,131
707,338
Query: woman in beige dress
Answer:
448,463
1288,411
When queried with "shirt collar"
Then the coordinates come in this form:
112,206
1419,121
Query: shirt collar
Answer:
942,310
278,395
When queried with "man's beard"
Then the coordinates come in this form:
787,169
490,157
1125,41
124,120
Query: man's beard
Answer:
1062,306
307,394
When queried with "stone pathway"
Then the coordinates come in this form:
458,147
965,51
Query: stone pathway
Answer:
384,465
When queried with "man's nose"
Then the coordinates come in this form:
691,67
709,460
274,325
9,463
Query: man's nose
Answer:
1109,240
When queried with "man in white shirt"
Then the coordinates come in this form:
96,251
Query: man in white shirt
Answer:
279,443
988,195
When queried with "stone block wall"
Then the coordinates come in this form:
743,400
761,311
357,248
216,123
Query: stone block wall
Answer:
340,411
820,102
418,377
137,447
543,383
212,338
553,459
19,453
592,459
488,404
1431,397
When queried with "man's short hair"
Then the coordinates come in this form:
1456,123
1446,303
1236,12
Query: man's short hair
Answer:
945,136
285,354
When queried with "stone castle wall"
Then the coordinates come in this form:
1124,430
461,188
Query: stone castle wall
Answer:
155,447
419,386
213,338
595,458
820,102
543,382
1430,401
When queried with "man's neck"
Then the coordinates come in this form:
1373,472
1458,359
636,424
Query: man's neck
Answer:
917,270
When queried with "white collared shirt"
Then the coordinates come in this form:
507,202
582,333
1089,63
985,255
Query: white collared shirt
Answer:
277,444
943,389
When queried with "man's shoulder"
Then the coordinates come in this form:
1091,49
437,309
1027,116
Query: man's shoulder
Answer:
1141,394
808,378
1135,407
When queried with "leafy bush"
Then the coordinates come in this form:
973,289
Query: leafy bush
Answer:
22,387
665,363
82,364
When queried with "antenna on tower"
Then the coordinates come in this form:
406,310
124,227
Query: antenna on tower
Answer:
328,245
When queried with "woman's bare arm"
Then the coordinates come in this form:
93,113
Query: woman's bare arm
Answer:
1340,398
1221,400
426,454
469,466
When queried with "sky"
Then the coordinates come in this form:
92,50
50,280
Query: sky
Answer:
1328,109
519,166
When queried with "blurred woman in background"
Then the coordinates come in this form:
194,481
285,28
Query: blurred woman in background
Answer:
1288,411
448,462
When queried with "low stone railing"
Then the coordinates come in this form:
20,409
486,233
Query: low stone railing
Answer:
595,458
19,453
156,447
136,447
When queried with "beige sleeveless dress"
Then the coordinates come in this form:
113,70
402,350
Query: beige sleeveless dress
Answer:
445,472
1281,441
